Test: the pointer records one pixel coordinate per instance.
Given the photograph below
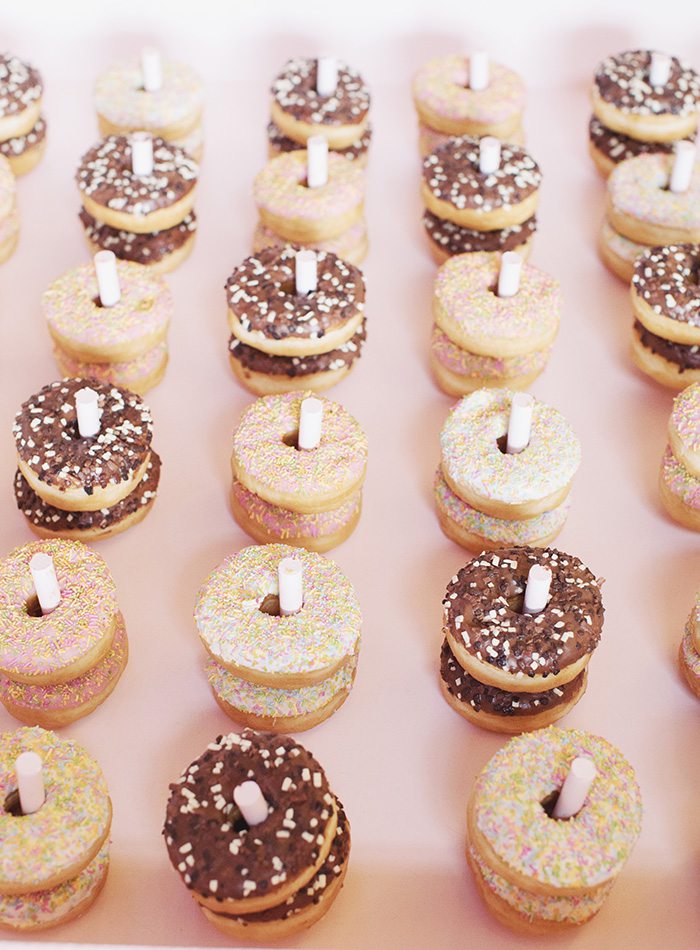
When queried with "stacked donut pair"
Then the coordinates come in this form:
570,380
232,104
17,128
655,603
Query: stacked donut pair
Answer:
54,860
482,338
22,126
679,478
290,335
59,663
137,192
269,669
487,497
75,485
689,652
306,497
504,667
257,836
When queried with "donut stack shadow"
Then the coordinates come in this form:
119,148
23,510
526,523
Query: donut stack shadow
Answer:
679,476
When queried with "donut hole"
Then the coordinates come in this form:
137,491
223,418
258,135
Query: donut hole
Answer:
33,607
290,287
291,439
12,805
502,443
271,606
97,302
549,803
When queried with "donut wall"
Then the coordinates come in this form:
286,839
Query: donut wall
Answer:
400,762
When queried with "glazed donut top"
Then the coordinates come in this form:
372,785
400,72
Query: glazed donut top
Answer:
455,239
294,91
8,188
639,188
49,443
122,100
586,850
617,146
70,825
20,85
214,850
105,175
237,631
685,417
442,85
623,81
452,174
261,293
483,610
36,646
281,189
140,248
471,454
278,140
667,279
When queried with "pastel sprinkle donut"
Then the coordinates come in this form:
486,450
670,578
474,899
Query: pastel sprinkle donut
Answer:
666,294
684,428
21,90
680,491
39,649
138,375
618,253
269,649
351,245
689,658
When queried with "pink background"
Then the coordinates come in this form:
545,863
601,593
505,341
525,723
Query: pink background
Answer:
401,761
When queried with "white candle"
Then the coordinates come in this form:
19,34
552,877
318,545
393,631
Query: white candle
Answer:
88,412
509,274
659,69
539,580
305,271
141,154
326,75
45,582
478,70
310,423
151,69
519,423
251,802
683,165
107,278
30,782
489,155
575,788
291,585
317,161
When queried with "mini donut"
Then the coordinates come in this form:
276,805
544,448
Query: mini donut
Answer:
672,364
479,532
55,706
48,521
227,869
618,253
55,843
298,213
453,188
112,194
171,111
642,207
538,874
24,152
679,491
689,658
161,251
21,90
268,649
498,644
268,524
352,245
429,139
278,142
299,111
507,486
266,460
608,148
666,293
88,331
500,711
447,239
76,473
139,375
46,650
684,428
625,101
266,312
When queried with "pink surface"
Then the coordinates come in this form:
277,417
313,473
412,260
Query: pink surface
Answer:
401,761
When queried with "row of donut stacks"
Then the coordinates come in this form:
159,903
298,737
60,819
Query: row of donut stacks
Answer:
108,321
311,192
297,319
551,822
689,652
257,836
520,625
507,464
281,627
63,643
298,465
495,320
22,126
85,465
679,478
54,829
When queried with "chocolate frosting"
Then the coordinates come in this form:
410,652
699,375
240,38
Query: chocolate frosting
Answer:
682,356
294,91
12,148
48,442
141,248
282,143
500,702
20,85
618,147
455,239
623,81
668,280
261,293
294,366
46,516
215,852
483,604
105,175
452,174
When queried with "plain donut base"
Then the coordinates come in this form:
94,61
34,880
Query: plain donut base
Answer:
643,232
505,216
264,384
296,345
466,126
505,510
159,220
663,127
455,385
338,136
477,543
661,325
660,369
27,160
77,499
